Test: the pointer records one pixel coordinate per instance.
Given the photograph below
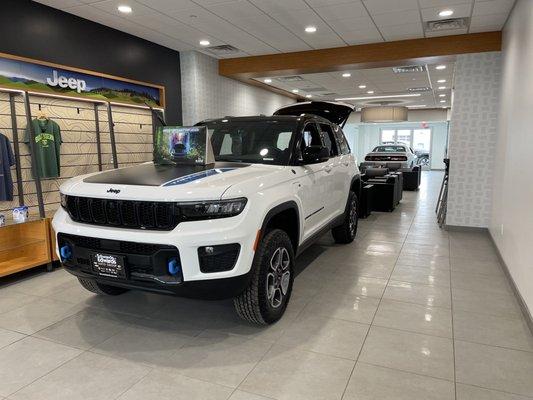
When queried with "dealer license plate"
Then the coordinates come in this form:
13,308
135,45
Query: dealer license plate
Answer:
108,265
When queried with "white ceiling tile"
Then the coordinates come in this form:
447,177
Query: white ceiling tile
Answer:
459,11
397,18
369,35
235,10
485,28
492,7
488,20
323,3
280,6
352,24
296,21
61,4
443,3
340,11
167,6
111,6
384,6
401,32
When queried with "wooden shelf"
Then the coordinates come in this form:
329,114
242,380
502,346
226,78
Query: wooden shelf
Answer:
24,245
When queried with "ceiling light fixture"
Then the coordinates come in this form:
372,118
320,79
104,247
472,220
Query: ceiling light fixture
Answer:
440,67
310,29
124,9
362,86
268,80
205,42
417,106
308,96
346,75
295,90
441,81
370,91
389,96
445,13
443,101
442,95
442,87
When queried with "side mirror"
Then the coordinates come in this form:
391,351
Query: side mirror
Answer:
315,154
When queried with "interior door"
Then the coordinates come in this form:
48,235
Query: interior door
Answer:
311,184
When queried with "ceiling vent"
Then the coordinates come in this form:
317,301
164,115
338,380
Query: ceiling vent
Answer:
406,69
419,89
293,78
223,50
447,24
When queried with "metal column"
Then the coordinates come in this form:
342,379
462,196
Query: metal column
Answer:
98,139
112,135
16,148
36,177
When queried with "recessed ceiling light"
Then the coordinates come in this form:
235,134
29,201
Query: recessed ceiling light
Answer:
310,29
442,95
362,86
124,9
268,80
417,106
370,91
439,67
295,90
443,101
308,96
346,75
442,87
205,42
387,96
441,81
445,13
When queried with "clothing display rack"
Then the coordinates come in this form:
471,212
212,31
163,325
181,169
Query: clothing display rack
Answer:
31,243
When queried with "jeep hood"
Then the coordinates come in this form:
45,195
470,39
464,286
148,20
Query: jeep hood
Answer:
167,183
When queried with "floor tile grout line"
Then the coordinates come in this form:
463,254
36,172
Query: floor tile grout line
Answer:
372,321
496,390
453,328
406,372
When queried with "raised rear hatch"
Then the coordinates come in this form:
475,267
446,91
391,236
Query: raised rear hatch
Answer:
335,112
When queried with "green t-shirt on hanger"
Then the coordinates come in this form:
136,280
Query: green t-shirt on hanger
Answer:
47,147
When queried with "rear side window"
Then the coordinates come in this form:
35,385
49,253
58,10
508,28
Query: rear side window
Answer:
341,139
329,139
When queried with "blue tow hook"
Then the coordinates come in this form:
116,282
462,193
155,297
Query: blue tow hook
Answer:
174,267
65,252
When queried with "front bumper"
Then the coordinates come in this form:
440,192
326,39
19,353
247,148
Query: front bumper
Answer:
186,239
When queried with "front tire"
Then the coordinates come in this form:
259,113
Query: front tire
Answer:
98,288
265,299
345,233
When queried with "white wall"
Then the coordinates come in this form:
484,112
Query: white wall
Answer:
473,133
512,206
206,94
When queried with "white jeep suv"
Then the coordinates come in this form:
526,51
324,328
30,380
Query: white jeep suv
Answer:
227,230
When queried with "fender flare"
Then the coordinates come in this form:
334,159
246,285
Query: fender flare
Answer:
288,205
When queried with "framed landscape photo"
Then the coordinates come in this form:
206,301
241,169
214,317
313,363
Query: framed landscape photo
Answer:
177,145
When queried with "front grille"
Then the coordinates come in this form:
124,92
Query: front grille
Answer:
151,215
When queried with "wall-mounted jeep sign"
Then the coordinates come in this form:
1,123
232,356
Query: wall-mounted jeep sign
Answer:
37,76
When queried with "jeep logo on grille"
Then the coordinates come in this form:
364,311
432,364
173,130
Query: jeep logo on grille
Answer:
111,190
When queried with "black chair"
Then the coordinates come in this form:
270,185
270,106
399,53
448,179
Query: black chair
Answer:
411,178
387,192
366,201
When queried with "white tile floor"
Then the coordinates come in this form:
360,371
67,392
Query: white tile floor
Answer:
406,312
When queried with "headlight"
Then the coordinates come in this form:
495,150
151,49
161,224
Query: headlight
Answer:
63,200
211,209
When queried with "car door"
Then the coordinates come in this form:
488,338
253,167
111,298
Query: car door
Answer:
347,163
334,171
311,183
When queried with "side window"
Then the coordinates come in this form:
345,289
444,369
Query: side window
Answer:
284,139
310,137
225,148
341,139
329,139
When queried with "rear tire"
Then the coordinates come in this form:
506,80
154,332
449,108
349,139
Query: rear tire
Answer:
98,288
345,233
265,299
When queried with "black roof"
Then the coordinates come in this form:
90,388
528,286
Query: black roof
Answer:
295,118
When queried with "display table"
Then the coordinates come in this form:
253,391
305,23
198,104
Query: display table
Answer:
24,245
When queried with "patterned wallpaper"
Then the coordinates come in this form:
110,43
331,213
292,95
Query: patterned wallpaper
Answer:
473,132
205,94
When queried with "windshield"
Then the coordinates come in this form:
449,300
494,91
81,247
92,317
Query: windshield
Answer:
263,142
389,149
